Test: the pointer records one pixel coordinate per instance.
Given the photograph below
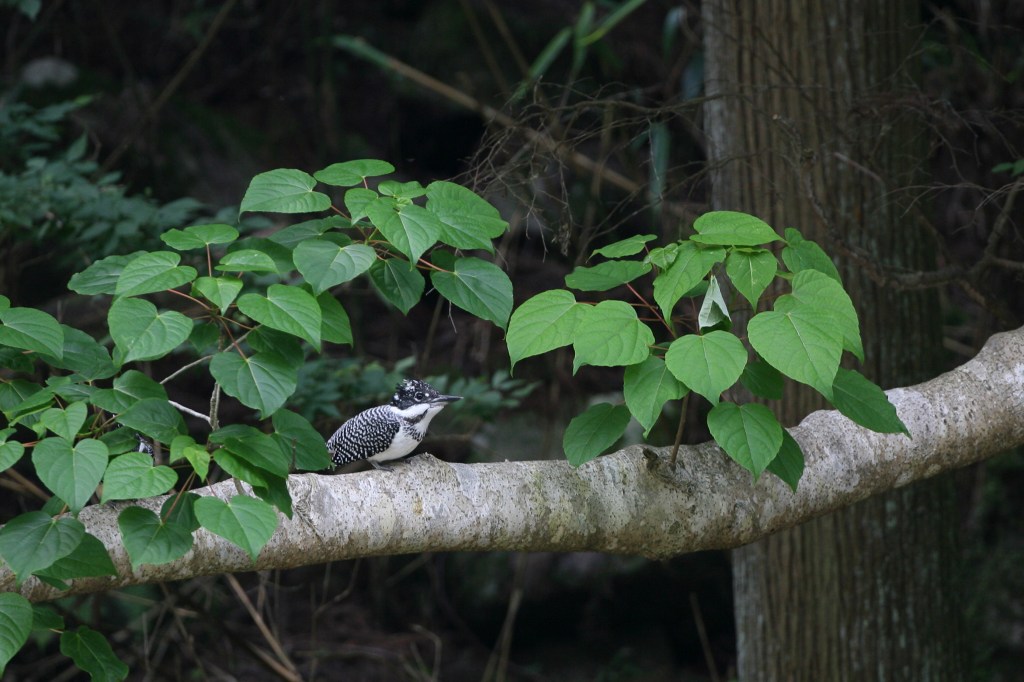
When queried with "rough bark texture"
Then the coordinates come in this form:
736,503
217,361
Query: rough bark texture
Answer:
618,503
807,129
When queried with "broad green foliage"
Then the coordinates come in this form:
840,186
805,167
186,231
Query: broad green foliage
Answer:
249,313
683,340
15,625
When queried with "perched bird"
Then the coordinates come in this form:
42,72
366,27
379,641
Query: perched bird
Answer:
387,432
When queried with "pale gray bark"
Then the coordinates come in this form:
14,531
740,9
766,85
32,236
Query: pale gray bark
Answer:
619,503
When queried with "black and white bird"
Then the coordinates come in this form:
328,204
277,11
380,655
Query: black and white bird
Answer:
388,432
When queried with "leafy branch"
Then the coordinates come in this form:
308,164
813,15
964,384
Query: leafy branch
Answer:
801,337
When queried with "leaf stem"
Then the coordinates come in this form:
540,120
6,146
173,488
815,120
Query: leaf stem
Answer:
679,431
657,314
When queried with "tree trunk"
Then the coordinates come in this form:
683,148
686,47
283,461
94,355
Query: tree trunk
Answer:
806,128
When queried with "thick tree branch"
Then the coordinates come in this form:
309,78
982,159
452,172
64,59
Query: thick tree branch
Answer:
624,503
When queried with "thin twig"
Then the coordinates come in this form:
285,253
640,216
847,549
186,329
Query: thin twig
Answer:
705,643
172,86
190,411
274,643
185,368
679,431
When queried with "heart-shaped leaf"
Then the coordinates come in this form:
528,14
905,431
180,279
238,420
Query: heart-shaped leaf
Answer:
71,473
151,272
33,541
285,308
142,333
132,476
149,540
245,521
284,190
478,287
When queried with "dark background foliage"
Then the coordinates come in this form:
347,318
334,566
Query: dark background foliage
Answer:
191,99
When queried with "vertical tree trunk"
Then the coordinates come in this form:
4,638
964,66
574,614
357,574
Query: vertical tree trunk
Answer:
806,129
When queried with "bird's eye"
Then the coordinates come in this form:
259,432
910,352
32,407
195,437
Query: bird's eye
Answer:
419,395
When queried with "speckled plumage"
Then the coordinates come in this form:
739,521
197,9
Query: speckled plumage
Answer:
391,431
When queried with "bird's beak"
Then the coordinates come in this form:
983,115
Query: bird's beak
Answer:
446,399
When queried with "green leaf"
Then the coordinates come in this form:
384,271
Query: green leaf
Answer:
307,447
865,403
180,510
820,291
401,190
45,618
468,221
154,417
732,228
358,200
591,433
647,386
336,327
285,308
284,190
129,388
691,265
72,474
664,256
714,312
204,337
263,381
32,330
245,521
220,291
92,653
398,282
324,264
478,287
802,344
152,272
132,476
83,355
32,541
542,323
142,333
626,247
148,540
750,434
751,272
65,422
293,235
255,447
412,229
185,447
239,467
610,335
708,364
89,560
199,236
789,463
607,275
762,380
10,453
101,277
276,493
351,173
23,400
246,260
803,254
15,625
281,255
